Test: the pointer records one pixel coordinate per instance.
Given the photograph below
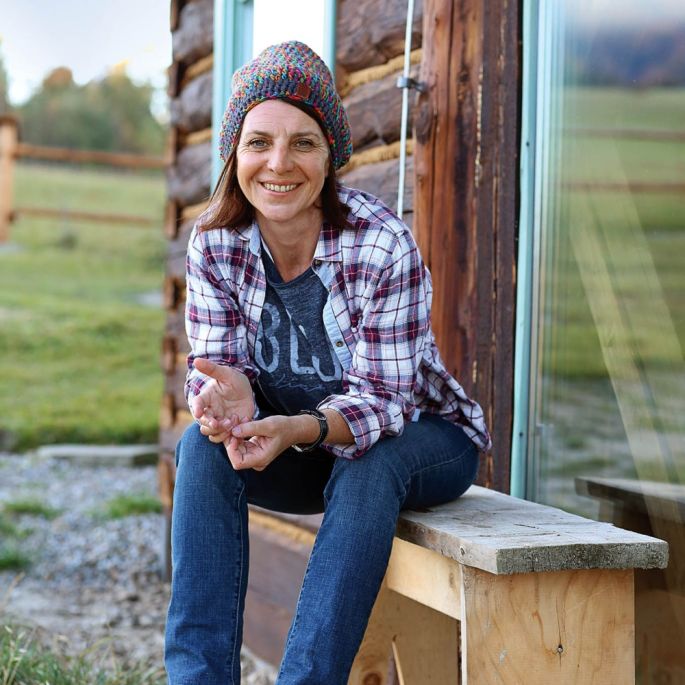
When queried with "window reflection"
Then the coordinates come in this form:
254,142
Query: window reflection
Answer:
610,396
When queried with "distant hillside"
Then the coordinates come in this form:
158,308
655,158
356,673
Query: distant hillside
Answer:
629,57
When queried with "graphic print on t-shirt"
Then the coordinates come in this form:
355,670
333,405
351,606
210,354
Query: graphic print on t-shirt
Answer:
298,367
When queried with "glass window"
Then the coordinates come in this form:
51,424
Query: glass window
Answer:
606,423
276,21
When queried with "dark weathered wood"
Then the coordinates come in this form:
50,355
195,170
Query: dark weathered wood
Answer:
188,182
174,12
174,292
465,209
381,179
194,36
371,32
375,111
171,219
192,110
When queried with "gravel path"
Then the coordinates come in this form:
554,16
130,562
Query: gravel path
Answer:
94,584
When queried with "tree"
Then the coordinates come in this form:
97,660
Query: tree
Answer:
108,114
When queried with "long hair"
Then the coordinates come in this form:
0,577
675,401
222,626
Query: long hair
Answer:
229,208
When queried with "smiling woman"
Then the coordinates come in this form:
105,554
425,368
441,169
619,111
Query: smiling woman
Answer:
314,380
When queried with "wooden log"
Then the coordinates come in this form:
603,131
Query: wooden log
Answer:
169,353
375,111
370,32
202,66
174,292
197,137
188,182
171,219
116,159
192,109
174,79
174,13
465,205
193,211
9,133
167,412
381,179
194,38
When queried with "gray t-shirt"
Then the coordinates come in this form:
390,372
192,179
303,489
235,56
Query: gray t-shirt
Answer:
298,367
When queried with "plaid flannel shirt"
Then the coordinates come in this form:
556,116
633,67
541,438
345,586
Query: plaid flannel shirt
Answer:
377,318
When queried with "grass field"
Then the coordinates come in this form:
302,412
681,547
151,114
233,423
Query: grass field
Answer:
79,347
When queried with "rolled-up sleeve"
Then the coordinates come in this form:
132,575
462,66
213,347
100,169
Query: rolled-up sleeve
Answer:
213,321
378,387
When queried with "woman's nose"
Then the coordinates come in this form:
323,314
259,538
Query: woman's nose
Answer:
280,160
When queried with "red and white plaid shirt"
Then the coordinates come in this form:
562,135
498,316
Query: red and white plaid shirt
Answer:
377,318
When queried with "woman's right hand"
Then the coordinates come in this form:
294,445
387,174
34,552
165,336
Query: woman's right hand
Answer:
224,401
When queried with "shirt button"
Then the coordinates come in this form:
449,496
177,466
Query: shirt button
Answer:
317,262
338,343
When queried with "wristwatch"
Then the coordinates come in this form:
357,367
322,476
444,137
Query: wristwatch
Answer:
323,430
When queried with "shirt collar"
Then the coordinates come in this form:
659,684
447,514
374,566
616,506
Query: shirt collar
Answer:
328,246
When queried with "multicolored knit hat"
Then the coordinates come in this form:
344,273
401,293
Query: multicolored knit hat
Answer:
288,71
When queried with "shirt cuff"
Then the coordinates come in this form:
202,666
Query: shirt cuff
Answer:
361,420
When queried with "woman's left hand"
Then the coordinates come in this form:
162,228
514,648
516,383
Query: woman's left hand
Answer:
255,444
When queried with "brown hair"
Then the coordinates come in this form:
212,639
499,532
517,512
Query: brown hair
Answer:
229,208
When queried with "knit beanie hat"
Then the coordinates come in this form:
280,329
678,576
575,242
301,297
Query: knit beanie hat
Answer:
288,71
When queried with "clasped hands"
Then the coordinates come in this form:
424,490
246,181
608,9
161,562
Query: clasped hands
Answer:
224,408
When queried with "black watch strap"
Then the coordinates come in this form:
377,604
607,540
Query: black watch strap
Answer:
323,430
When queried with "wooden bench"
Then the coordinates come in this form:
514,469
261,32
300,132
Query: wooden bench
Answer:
539,597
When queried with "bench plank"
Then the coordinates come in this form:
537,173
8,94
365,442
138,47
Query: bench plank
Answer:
500,534
426,577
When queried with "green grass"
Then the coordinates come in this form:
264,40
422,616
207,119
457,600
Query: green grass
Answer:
12,558
30,507
134,504
80,352
23,661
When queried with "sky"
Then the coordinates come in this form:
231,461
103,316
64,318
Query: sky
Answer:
88,36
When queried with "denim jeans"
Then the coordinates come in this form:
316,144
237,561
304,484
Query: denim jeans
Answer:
432,462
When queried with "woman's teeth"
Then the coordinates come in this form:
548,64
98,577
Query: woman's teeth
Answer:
279,189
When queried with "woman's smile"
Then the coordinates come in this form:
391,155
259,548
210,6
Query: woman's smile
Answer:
278,188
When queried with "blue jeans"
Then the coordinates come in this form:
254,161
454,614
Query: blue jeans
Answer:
432,462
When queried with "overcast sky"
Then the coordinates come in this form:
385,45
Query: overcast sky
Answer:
88,36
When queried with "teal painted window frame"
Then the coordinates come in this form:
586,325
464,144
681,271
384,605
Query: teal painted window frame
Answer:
233,28
542,25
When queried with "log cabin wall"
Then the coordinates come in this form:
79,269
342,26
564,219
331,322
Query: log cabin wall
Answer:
188,186
369,58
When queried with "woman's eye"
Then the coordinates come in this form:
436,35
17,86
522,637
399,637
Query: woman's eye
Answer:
257,143
304,144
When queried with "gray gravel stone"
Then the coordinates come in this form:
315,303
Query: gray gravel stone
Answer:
95,584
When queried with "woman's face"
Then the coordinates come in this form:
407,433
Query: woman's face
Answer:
282,161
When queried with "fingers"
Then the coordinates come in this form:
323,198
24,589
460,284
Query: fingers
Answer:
248,429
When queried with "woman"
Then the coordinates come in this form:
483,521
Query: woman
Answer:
314,380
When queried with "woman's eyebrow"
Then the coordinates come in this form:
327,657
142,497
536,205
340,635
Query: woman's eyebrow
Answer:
297,134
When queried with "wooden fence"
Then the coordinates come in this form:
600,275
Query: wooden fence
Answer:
11,149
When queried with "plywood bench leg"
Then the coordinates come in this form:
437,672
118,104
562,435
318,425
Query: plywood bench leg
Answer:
562,627
422,641
370,666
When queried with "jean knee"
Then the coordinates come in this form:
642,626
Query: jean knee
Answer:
368,479
198,451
